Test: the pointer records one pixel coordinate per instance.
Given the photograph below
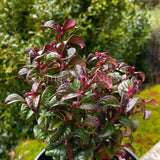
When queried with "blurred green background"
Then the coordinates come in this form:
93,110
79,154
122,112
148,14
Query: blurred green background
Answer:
127,29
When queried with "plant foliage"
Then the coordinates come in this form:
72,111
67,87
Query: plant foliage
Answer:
79,107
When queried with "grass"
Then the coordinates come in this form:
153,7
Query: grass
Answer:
28,150
148,132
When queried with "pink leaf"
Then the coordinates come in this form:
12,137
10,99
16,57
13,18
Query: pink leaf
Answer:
153,101
102,77
75,39
69,24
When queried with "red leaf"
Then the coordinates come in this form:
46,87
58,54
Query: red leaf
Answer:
69,24
50,24
77,60
48,48
63,90
102,77
106,54
90,57
110,60
60,48
70,96
141,74
32,56
28,50
75,39
93,121
122,65
22,71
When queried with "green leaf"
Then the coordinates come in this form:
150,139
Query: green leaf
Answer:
63,90
13,98
124,86
60,135
90,98
53,102
41,135
58,152
26,112
76,84
49,123
52,56
127,122
47,94
85,155
108,130
80,132
109,100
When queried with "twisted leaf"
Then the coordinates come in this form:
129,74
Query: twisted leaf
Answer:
13,98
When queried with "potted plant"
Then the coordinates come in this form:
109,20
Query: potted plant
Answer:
83,108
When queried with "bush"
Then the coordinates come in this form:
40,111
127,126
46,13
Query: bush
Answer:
115,26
